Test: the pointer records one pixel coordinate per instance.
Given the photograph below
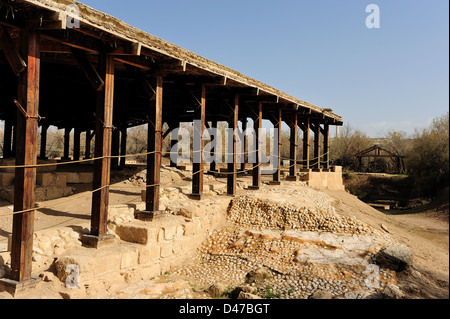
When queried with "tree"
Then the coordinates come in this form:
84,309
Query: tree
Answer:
428,159
346,145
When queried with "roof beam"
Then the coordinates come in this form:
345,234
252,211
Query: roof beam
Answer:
15,60
91,73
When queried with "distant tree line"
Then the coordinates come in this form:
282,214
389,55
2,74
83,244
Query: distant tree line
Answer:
426,153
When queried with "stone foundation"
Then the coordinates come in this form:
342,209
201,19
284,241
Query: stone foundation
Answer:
331,179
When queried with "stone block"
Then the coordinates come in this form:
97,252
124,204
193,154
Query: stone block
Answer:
137,232
170,232
78,178
179,231
6,179
129,258
166,249
51,179
177,246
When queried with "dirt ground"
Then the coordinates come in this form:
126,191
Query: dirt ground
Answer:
425,231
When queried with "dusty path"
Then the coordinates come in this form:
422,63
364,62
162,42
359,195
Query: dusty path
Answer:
425,233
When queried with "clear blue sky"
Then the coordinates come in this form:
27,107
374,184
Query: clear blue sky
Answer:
392,78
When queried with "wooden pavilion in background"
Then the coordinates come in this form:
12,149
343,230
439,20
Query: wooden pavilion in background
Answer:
67,65
377,152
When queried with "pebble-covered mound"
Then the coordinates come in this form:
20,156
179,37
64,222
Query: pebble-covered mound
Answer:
255,213
275,249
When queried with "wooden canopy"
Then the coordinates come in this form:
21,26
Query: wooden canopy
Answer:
70,56
67,65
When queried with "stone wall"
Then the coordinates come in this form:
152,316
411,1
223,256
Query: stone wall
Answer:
142,250
324,179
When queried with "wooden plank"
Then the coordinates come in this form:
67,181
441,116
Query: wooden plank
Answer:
15,60
215,143
326,147
103,136
198,165
245,145
123,146
277,155
293,147
26,154
306,148
155,147
231,158
87,150
317,146
115,148
67,131
44,130
257,166
7,139
76,144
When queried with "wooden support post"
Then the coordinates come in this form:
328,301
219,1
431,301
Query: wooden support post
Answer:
154,158
277,156
43,152
326,147
25,178
66,156
306,149
257,165
76,144
245,146
102,166
14,141
87,147
293,149
173,151
198,165
231,156
317,148
7,139
123,146
215,143
115,148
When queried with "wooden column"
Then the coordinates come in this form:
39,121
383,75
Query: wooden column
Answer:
231,158
66,156
213,165
7,139
154,158
257,165
198,165
317,148
123,146
76,144
43,151
326,147
173,143
306,148
26,154
277,155
115,148
293,149
102,166
245,145
14,141
87,147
